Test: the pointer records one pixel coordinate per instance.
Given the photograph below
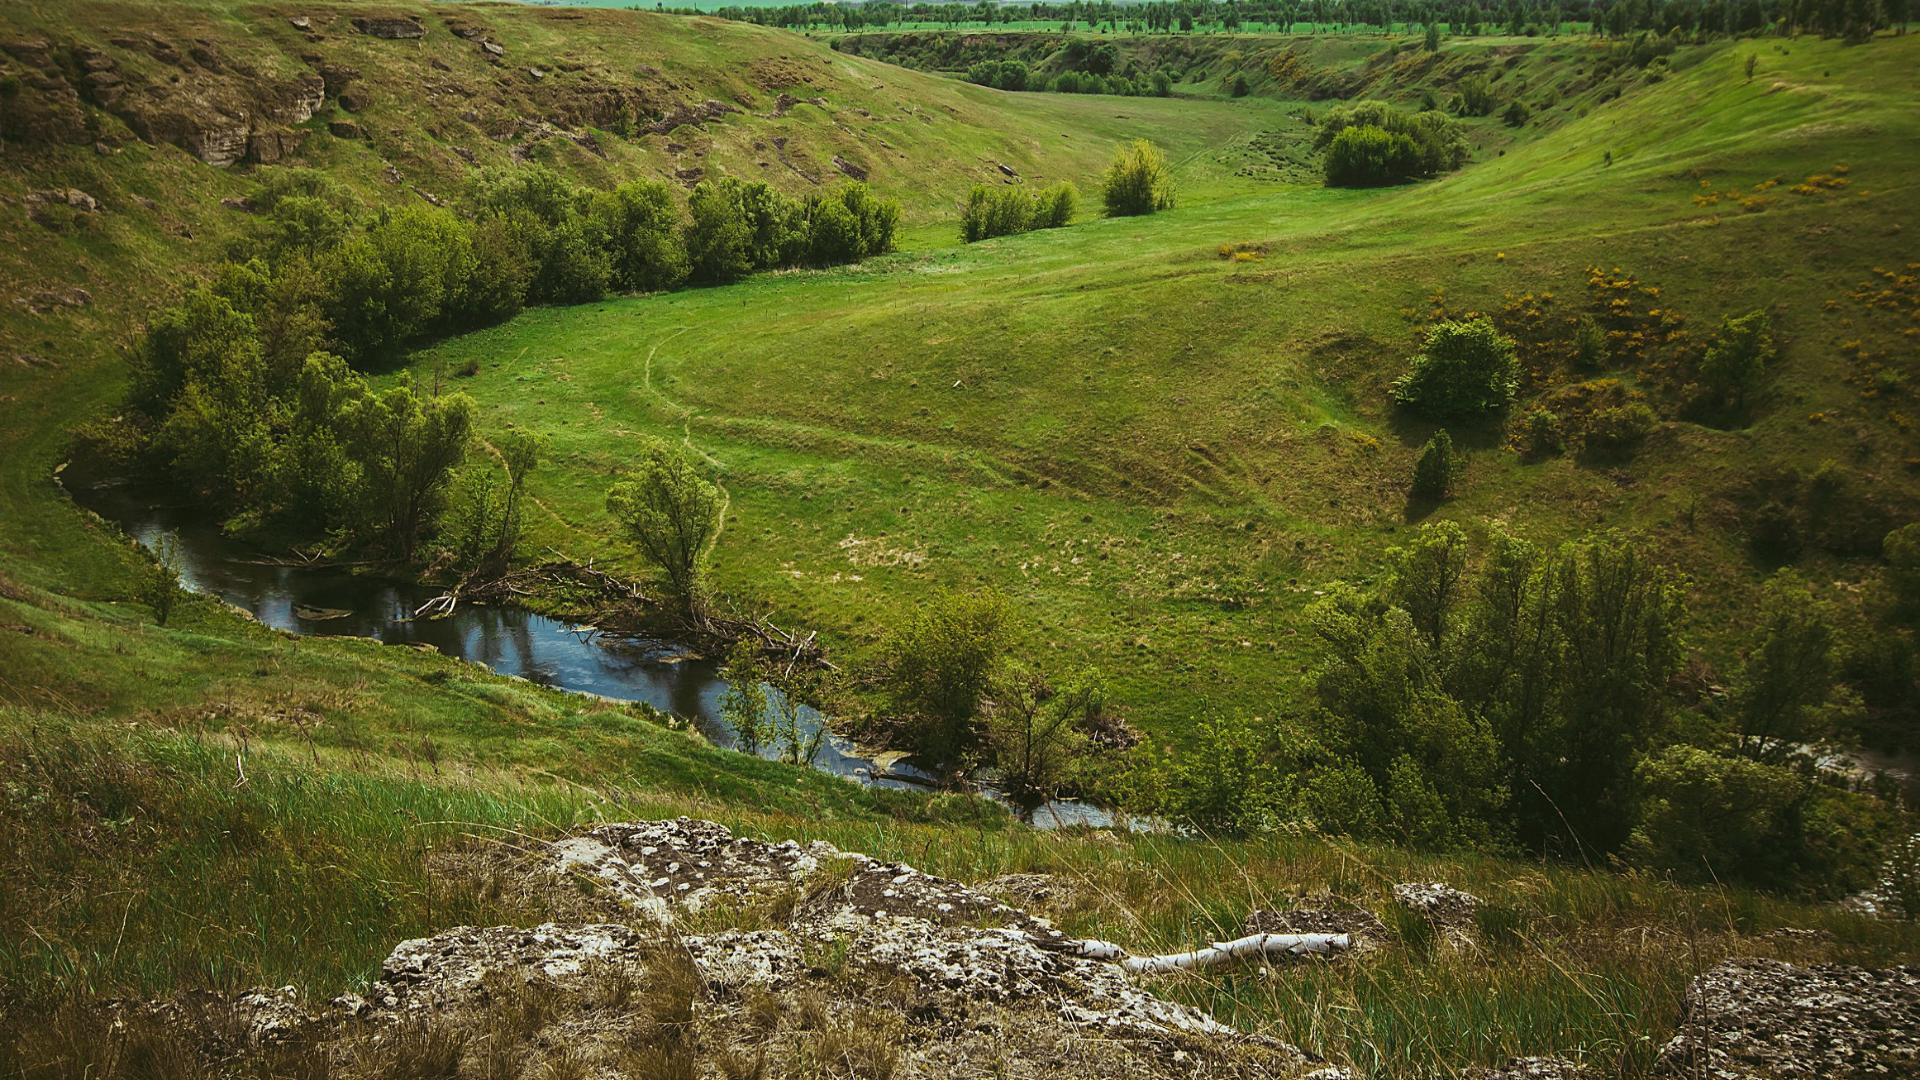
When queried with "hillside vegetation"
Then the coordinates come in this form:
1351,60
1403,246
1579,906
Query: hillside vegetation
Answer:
1158,441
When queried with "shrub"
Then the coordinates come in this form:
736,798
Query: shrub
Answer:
1619,431
1707,816
1005,210
1438,467
1736,358
719,238
502,273
390,284
1543,436
833,235
673,515
1138,181
1036,736
408,445
876,220
1476,96
1437,144
1365,156
1468,368
159,583
1230,781
1787,677
995,211
1238,87
936,668
1901,550
1589,345
1515,114
1054,207
1162,84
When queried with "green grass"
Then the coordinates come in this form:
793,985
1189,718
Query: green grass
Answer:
1159,453
1162,456
141,862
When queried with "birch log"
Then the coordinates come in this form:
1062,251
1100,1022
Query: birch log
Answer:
1220,952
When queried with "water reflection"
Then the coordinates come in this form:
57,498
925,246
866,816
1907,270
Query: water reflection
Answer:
332,601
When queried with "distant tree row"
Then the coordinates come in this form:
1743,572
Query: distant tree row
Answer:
1832,18
1014,75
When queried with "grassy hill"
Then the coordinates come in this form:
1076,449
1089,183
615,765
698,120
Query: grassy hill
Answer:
1163,454
1160,453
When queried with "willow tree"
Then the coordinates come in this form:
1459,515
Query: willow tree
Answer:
673,514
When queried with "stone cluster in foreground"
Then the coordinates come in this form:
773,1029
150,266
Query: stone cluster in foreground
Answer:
677,945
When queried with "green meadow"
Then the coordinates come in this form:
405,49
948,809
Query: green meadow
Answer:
1161,438
1162,454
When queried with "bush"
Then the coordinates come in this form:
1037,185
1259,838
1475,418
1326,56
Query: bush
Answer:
1438,467
1431,143
936,668
1710,817
1619,431
1476,96
995,211
1054,207
1736,359
159,583
1137,182
1366,156
719,238
1543,436
1036,736
1006,210
1589,345
1515,114
1162,84
502,273
392,283
1467,369
1238,87
1901,550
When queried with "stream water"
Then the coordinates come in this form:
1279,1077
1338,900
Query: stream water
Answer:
331,600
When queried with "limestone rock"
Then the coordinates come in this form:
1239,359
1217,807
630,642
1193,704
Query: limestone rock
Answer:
1442,904
390,27
1756,1019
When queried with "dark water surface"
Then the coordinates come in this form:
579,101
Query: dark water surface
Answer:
327,600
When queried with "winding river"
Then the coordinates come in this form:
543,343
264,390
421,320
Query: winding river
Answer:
330,600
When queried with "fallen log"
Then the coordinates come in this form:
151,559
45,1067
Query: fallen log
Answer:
1220,952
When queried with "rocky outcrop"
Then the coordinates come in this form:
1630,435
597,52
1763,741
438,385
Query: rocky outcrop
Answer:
390,27
823,945
1768,1020
1439,903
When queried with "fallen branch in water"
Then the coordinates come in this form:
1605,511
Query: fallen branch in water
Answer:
1220,952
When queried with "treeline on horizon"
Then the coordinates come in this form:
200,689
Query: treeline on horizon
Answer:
1829,18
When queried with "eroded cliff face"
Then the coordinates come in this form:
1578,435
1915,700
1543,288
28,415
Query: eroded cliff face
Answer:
434,91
